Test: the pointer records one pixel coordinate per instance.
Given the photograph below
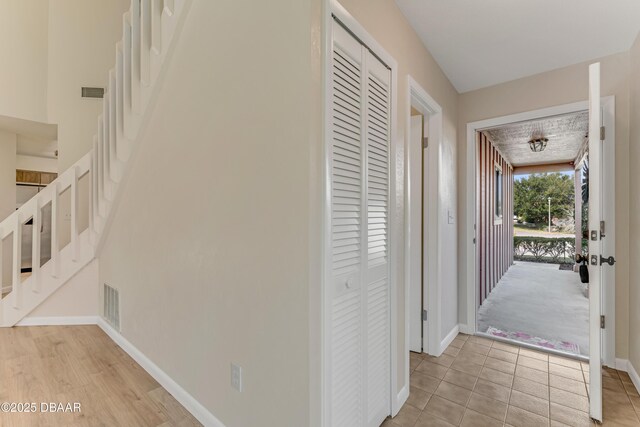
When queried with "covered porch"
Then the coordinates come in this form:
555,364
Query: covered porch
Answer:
539,304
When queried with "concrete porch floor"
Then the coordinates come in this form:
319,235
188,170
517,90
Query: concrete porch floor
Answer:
540,300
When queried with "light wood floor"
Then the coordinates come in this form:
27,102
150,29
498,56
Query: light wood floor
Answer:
68,364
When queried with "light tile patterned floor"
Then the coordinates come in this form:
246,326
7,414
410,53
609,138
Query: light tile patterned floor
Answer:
479,382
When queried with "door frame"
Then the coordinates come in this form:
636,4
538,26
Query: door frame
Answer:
608,107
332,8
420,99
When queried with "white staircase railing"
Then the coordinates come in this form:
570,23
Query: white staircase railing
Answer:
149,28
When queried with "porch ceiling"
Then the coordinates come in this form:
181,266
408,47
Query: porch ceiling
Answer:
566,134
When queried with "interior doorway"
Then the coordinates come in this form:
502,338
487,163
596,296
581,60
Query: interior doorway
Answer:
424,124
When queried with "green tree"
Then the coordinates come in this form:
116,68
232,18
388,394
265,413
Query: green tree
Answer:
530,197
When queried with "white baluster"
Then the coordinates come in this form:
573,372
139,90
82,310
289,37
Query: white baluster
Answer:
35,247
55,245
157,7
128,120
106,140
122,145
92,194
135,56
145,39
106,167
16,289
100,169
75,249
114,171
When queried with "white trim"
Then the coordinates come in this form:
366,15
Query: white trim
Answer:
420,99
466,329
449,338
635,378
58,321
181,395
333,7
402,397
622,365
608,103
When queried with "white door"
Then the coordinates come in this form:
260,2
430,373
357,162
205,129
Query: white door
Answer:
357,290
600,263
415,237
426,347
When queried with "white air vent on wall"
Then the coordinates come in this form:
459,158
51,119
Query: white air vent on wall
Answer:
112,306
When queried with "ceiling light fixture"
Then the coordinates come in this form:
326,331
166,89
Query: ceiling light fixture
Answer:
539,144
538,141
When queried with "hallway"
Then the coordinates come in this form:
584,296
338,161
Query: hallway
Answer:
537,303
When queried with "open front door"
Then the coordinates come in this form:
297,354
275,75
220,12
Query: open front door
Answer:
600,263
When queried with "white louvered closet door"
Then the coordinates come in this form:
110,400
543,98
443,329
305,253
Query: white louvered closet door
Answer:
358,295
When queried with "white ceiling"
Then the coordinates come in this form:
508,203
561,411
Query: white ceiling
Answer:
481,43
566,134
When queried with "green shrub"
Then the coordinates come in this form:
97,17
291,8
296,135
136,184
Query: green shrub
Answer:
544,249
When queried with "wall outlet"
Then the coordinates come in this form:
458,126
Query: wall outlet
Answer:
236,377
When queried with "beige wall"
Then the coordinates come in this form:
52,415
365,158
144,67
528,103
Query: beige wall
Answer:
634,201
8,143
210,245
562,86
384,21
8,156
82,38
23,53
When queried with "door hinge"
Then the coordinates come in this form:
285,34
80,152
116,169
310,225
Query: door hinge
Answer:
601,322
424,315
602,133
425,142
602,235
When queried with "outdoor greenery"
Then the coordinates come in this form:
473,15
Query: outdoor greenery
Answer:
585,198
544,249
531,196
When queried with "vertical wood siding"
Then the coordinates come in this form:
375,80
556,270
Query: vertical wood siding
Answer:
494,242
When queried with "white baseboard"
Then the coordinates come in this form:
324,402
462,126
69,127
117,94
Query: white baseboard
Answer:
622,365
449,338
58,321
466,329
634,376
181,395
401,398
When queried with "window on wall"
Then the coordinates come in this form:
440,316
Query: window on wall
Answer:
498,192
